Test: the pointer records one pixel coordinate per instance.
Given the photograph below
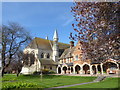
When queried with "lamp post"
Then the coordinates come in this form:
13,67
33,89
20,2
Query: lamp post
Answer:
41,73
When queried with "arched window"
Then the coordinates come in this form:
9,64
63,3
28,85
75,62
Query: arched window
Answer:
42,55
48,55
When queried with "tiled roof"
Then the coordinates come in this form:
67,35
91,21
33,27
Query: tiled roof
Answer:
46,44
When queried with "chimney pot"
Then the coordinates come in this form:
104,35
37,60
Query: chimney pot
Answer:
71,44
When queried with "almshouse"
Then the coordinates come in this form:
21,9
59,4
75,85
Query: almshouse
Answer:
63,58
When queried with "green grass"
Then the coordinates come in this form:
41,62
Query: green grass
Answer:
34,81
47,81
107,83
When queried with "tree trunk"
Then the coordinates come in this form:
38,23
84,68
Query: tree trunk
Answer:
3,69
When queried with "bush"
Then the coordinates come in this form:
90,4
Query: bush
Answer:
36,73
44,71
18,85
52,72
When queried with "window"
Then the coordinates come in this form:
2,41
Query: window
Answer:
48,55
50,68
42,55
76,57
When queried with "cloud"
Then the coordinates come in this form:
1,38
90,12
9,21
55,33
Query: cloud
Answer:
68,22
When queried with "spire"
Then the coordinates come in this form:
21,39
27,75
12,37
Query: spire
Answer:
55,35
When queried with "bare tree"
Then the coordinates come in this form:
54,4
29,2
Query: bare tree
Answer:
98,28
13,37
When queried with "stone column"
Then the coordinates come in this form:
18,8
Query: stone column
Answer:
117,65
73,70
81,71
117,68
91,70
96,69
101,65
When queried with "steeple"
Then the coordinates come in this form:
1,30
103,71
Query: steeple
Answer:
55,37
55,46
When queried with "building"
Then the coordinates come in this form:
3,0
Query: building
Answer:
64,58
73,61
43,54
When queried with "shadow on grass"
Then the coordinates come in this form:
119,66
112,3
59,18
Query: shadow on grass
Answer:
44,76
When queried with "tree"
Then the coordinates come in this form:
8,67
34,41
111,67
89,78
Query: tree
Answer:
98,28
18,65
14,37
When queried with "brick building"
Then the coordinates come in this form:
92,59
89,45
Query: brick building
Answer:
73,61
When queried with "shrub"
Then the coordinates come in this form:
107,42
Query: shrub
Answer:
52,72
36,73
44,71
18,85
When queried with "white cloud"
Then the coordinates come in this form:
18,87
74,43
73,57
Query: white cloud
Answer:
68,21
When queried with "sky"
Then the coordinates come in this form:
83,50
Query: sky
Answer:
41,18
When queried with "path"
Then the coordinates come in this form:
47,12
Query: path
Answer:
98,79
68,86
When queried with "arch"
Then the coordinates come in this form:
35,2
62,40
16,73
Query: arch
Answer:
99,68
71,69
59,70
77,69
94,69
64,69
86,69
42,55
110,67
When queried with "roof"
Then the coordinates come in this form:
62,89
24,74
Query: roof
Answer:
47,62
67,53
69,64
46,44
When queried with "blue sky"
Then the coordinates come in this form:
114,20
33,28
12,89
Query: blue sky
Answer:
41,18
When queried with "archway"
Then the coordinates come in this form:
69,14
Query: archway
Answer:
99,69
94,69
86,69
71,69
77,69
110,68
65,69
59,70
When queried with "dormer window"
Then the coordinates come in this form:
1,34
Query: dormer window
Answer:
42,55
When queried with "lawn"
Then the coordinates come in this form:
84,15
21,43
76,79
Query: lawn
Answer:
107,83
34,81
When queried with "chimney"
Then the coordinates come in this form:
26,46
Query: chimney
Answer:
71,44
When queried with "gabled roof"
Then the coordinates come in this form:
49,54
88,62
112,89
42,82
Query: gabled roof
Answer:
67,53
47,62
46,44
